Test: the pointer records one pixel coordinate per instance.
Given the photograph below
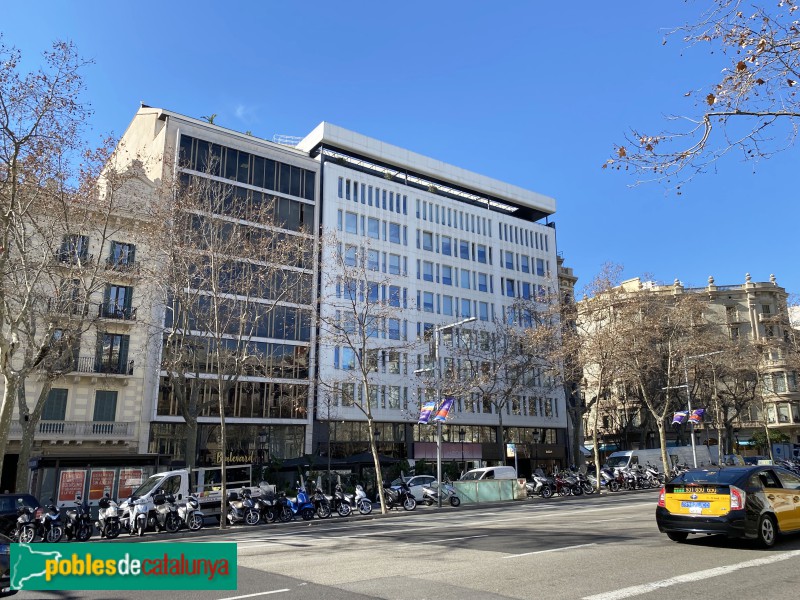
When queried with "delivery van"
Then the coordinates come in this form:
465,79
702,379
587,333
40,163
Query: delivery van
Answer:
489,473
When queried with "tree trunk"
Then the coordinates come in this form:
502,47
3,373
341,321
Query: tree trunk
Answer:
29,420
501,438
191,443
223,445
6,414
376,460
662,439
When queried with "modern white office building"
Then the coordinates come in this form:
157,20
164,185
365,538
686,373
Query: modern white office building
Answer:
444,244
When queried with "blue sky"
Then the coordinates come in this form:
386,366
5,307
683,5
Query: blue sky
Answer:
533,93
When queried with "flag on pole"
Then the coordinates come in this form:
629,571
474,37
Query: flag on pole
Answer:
680,417
697,415
444,410
425,413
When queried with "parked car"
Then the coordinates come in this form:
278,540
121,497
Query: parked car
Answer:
416,484
5,567
489,473
8,510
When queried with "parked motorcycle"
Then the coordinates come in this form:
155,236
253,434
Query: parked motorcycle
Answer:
363,504
339,502
242,508
79,522
321,504
25,528
267,504
541,485
134,515
189,513
567,485
608,479
399,495
302,506
430,494
108,518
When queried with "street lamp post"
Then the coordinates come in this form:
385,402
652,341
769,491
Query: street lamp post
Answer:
435,368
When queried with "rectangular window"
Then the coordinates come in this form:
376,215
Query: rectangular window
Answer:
540,267
483,311
483,285
447,305
117,302
350,256
373,260
339,220
465,279
509,260
394,264
74,248
105,407
112,354
351,222
347,189
481,253
394,329
121,256
524,264
341,186
526,290
394,233
374,228
446,245
466,308
447,275
427,270
463,246
427,241
394,295
427,302
55,407
348,359
510,289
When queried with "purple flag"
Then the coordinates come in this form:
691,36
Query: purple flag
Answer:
680,417
697,415
444,410
425,413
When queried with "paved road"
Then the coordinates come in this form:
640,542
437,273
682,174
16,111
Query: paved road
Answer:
592,548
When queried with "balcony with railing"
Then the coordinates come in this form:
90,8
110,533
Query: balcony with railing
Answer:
74,430
61,306
72,258
118,265
91,364
110,310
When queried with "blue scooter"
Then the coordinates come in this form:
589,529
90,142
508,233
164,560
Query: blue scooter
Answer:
287,510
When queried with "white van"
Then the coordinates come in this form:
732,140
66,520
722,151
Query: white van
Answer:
489,473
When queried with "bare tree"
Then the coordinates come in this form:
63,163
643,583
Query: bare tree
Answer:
361,323
752,108
230,275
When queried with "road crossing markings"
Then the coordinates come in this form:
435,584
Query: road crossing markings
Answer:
638,590
466,537
551,550
256,594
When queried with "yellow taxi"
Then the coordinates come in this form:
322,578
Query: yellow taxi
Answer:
757,502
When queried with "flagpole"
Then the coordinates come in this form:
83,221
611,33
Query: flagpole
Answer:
689,407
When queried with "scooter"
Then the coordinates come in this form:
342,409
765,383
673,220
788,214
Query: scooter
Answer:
242,508
399,495
49,525
430,494
267,504
541,485
166,513
134,515
108,518
287,510
25,529
607,478
79,522
189,513
363,504
321,504
339,502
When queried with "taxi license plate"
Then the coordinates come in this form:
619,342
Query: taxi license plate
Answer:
696,508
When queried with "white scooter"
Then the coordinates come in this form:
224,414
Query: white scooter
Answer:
363,503
190,513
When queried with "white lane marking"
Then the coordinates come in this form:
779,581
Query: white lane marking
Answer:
550,550
466,537
256,594
638,590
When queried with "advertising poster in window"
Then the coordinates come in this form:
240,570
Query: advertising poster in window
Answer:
129,480
70,484
101,482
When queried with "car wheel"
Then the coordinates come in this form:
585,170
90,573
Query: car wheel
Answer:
767,532
677,536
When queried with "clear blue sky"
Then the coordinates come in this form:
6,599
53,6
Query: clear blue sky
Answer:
534,93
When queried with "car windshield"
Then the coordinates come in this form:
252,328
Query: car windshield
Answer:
618,461
724,476
147,486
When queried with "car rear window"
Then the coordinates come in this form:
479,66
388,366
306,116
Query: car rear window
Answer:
723,476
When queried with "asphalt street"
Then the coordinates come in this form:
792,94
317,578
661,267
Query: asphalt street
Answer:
588,548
